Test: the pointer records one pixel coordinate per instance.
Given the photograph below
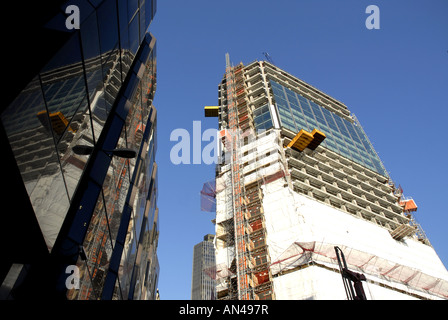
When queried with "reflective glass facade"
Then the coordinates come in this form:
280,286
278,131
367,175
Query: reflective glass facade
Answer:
342,136
96,211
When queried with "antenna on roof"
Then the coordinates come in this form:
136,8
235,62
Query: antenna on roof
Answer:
268,57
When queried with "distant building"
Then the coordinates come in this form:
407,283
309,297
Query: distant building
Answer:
85,219
203,283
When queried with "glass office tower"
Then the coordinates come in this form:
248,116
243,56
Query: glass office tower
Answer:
84,220
202,282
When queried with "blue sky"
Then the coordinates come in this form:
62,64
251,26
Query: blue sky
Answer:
394,80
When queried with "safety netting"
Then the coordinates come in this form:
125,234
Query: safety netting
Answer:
217,272
208,197
301,253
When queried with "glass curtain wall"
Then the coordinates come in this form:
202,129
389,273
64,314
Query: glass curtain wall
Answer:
342,136
67,104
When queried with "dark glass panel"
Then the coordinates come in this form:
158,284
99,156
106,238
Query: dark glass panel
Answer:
94,75
111,62
115,130
134,34
108,26
68,55
64,89
132,8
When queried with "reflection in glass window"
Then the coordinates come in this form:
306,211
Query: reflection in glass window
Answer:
98,249
30,134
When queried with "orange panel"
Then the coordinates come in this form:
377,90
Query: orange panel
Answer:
410,206
301,140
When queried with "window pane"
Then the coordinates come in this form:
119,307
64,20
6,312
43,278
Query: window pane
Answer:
78,133
134,34
107,17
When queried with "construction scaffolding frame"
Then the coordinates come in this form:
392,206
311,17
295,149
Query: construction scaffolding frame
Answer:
244,290
241,231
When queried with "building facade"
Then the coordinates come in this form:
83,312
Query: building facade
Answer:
298,184
79,131
202,283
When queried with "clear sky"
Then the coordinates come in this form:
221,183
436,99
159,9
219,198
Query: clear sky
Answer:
394,79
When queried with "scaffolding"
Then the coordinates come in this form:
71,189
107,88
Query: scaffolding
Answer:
409,207
252,160
241,245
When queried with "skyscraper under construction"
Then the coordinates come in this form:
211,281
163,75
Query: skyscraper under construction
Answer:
304,206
